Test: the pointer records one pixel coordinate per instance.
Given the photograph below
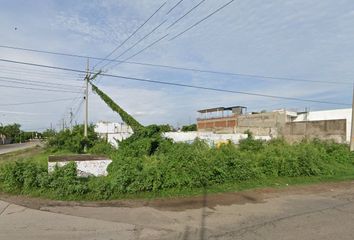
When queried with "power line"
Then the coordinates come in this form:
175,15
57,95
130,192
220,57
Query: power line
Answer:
184,15
143,38
41,83
179,68
73,103
38,102
224,90
37,89
142,50
176,84
38,76
33,84
36,71
169,11
136,43
202,20
75,116
148,34
130,36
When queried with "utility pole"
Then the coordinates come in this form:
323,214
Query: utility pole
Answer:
352,126
71,119
87,78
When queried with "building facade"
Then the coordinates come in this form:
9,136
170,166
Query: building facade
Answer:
291,125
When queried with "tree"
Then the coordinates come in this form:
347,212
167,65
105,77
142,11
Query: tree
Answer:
11,131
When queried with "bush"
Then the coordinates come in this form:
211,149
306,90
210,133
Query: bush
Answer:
189,128
102,148
26,176
73,141
250,144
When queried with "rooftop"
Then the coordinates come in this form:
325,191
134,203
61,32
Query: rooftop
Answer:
220,109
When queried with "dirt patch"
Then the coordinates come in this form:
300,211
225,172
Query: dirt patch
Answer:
183,203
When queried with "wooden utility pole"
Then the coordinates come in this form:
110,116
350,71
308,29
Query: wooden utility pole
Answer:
352,126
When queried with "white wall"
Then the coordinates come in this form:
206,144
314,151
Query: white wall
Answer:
210,137
109,127
113,137
86,168
113,131
329,115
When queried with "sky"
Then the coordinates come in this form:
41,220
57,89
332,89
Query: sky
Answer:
298,39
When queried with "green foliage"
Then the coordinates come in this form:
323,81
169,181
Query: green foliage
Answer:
11,131
26,176
189,128
146,162
48,133
73,141
102,148
250,144
128,119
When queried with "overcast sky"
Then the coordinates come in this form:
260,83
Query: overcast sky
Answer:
302,39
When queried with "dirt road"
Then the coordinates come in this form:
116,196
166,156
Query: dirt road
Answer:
323,211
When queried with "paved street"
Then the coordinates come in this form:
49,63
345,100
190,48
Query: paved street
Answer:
17,146
313,212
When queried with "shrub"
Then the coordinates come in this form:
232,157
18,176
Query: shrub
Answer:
250,144
102,147
189,128
73,141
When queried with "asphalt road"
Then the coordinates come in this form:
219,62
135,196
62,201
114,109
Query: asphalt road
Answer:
312,212
17,146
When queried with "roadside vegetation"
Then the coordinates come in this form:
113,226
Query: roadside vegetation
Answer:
148,165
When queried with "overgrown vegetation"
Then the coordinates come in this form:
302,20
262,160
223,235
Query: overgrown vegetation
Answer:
73,140
148,163
189,128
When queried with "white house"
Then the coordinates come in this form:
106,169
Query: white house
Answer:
113,132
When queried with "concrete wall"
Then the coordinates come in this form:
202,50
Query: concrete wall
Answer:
262,124
210,137
87,165
113,132
328,129
329,115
